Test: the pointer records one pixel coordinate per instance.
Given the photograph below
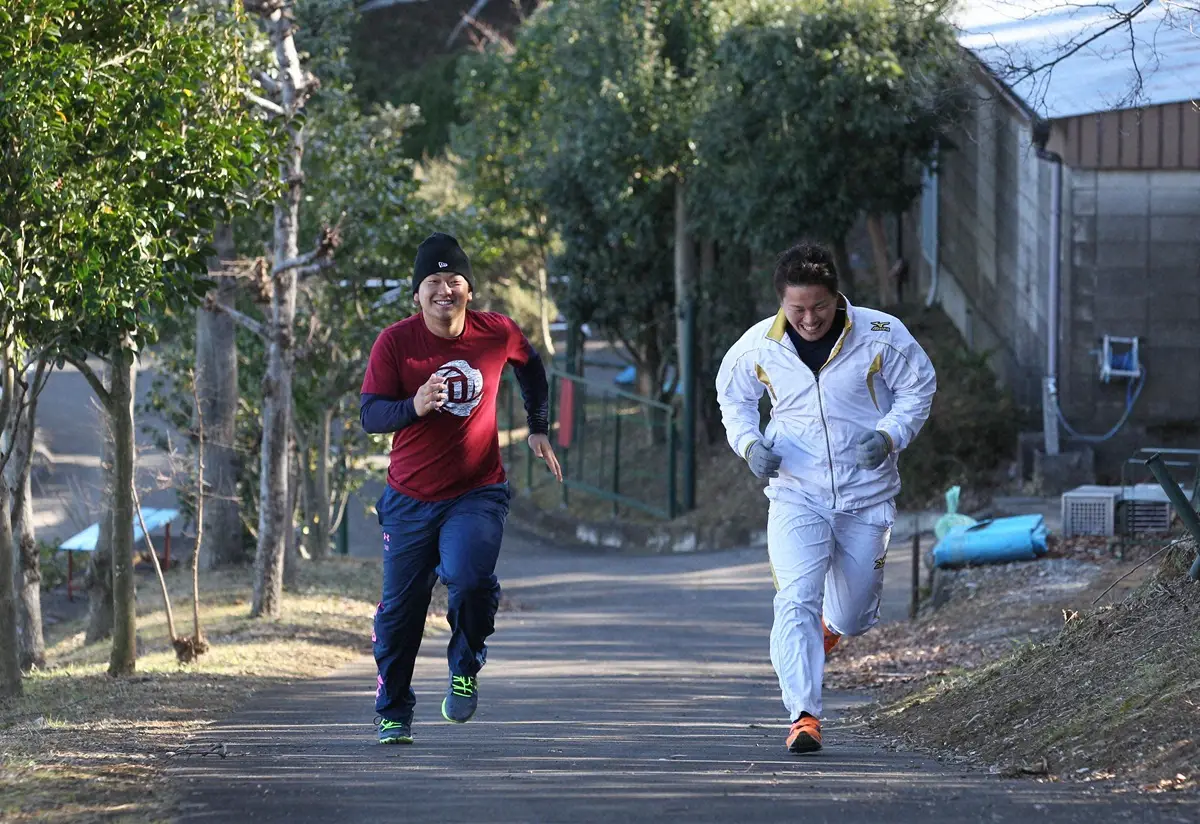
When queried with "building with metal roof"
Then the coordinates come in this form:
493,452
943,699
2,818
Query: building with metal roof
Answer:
1065,59
1062,222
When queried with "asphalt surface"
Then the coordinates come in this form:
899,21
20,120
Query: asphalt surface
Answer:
626,689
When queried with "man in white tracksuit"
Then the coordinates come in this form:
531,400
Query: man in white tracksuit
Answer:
850,388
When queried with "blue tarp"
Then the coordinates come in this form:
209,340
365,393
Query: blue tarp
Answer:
85,541
1020,538
628,377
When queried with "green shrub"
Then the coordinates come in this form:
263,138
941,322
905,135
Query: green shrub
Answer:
972,430
53,566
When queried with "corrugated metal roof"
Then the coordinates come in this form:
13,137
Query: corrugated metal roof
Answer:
1151,60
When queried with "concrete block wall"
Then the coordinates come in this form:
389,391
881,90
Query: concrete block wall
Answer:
1133,269
994,196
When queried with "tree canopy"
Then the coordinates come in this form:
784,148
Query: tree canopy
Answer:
122,139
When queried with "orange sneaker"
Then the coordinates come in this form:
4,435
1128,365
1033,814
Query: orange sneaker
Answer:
831,638
805,735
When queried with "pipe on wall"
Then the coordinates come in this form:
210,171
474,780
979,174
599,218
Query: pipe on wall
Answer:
1041,135
934,255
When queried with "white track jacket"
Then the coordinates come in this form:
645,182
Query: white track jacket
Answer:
877,378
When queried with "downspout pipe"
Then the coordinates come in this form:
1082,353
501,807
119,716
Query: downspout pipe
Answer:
934,264
1041,136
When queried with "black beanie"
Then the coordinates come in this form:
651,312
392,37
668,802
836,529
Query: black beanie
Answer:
440,252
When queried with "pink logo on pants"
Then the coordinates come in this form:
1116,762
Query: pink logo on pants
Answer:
378,685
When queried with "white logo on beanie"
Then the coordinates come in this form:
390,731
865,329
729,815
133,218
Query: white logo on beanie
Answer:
442,265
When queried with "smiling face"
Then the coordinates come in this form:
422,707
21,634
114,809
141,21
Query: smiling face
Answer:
810,310
443,297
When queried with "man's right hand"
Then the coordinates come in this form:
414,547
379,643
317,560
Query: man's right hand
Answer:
431,396
762,461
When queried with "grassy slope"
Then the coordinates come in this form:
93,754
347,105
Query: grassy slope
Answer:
1116,695
80,745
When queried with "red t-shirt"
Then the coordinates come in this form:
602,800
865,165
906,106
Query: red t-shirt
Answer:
448,453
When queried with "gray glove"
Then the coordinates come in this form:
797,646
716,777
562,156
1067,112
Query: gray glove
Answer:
872,449
762,461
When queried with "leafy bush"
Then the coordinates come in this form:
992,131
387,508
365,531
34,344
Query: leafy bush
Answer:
973,427
53,566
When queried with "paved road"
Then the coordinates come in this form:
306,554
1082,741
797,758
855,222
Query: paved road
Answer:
631,689
68,486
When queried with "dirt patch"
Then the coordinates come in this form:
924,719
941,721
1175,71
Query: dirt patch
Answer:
81,746
989,612
1112,693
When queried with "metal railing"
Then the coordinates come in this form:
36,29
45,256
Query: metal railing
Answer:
1183,507
613,445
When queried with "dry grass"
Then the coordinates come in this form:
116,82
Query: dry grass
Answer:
1111,696
81,746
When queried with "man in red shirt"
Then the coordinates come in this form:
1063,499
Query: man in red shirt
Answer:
432,379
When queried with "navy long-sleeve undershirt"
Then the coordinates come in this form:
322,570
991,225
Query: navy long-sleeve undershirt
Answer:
379,414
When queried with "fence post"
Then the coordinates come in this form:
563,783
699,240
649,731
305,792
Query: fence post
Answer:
616,468
672,446
688,376
915,604
343,533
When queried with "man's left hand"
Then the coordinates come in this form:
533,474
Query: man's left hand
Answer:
540,444
872,449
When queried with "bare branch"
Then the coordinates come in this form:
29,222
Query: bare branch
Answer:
270,84
327,243
1122,18
269,106
92,378
162,582
376,5
121,58
199,645
41,377
245,321
314,268
467,19
306,259
390,296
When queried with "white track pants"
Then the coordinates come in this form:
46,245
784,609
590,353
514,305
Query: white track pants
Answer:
821,558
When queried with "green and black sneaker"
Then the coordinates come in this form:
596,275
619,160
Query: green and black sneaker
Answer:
461,699
394,732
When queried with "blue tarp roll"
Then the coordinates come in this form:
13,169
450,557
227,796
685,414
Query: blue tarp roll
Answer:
998,541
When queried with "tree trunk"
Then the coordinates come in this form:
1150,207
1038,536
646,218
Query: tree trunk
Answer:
291,563
10,654
29,572
217,389
273,516
10,645
685,340
706,358
100,576
100,573
841,256
123,659
649,382
879,250
307,491
544,311
321,508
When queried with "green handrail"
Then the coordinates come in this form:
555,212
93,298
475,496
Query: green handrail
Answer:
596,455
